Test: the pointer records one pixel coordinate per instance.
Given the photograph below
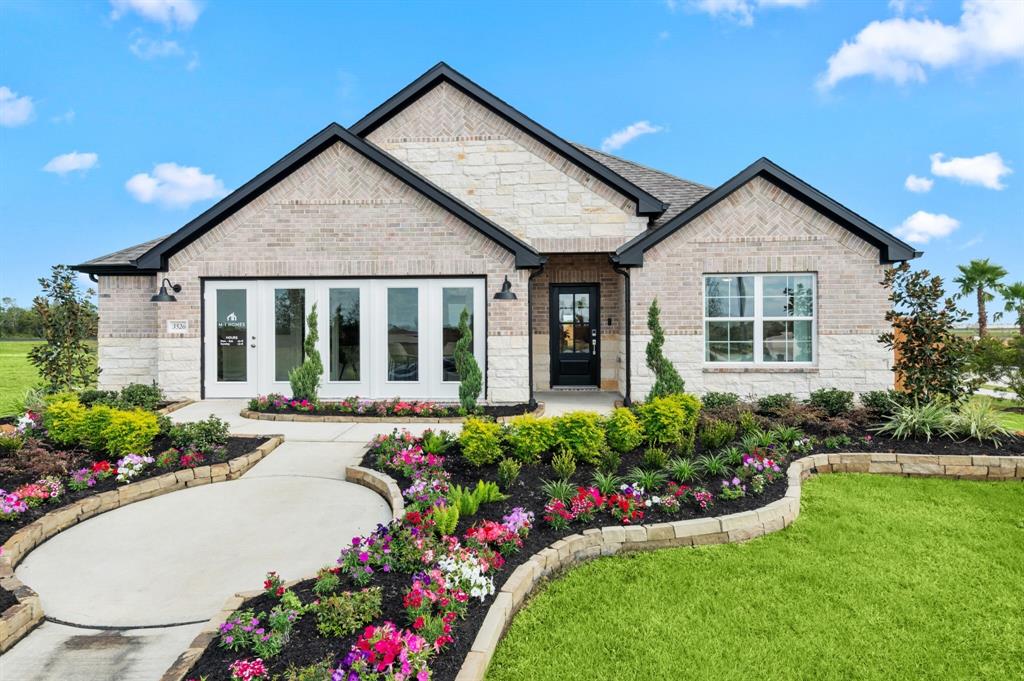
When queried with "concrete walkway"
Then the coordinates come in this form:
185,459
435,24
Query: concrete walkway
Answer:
168,563
558,402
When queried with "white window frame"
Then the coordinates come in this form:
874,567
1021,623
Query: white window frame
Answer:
759,319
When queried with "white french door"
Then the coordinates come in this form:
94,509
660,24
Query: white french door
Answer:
378,338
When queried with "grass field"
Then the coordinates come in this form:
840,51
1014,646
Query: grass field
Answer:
16,374
880,578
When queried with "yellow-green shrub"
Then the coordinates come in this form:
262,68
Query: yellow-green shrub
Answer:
93,423
623,430
580,433
63,418
670,420
481,441
130,432
530,437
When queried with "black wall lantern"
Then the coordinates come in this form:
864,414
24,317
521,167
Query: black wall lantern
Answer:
506,291
163,296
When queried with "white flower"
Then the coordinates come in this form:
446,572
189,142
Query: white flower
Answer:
656,500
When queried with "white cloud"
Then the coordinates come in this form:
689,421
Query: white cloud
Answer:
193,63
66,163
971,242
145,48
918,185
921,227
14,110
742,11
985,170
621,138
170,13
664,35
901,50
66,117
175,186
671,5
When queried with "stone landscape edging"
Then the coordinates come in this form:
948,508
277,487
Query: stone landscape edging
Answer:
610,540
247,413
19,619
174,406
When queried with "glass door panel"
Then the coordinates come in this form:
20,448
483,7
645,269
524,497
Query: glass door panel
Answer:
230,322
453,302
344,334
289,330
403,339
232,325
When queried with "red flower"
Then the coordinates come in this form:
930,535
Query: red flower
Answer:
418,624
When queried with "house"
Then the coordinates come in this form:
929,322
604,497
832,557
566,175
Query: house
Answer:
446,198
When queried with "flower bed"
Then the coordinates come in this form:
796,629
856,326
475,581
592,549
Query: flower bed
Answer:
356,408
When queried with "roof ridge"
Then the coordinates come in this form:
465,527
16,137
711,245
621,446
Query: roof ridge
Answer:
589,149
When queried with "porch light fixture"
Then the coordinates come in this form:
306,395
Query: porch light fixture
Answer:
506,291
163,296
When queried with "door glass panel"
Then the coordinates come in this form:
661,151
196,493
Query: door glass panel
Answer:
453,302
565,308
232,323
582,343
403,334
344,310
566,341
583,308
289,330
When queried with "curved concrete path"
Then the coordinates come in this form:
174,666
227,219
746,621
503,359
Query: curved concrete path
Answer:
168,563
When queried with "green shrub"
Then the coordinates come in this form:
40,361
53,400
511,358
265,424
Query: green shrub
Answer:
882,402
318,671
446,519
748,422
130,432
305,378
650,480
346,613
607,483
327,582
508,472
63,418
682,470
670,421
140,396
529,437
655,458
91,396
667,380
470,378
977,420
716,434
564,465
481,441
579,433
10,443
917,420
713,465
463,500
772,404
609,461
733,456
562,490
785,435
92,426
832,401
623,430
205,435
713,400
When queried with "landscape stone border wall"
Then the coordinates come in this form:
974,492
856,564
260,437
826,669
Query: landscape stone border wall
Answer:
21,618
606,541
346,418
174,406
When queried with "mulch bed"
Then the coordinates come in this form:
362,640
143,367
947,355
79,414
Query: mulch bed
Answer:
236,446
7,599
493,411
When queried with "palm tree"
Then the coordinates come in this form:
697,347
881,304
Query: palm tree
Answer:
1014,297
980,277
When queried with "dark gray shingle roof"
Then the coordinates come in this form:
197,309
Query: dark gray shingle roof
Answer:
126,255
679,193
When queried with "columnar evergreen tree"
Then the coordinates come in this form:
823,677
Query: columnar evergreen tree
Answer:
470,378
667,380
68,319
305,378
981,278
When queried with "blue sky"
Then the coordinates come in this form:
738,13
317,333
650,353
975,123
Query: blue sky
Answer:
143,112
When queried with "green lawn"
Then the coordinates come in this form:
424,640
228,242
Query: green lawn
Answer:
880,578
16,374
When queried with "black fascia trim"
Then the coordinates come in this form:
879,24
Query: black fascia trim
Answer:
156,258
646,204
891,249
110,270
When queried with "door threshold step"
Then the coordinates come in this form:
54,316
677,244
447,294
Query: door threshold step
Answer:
575,388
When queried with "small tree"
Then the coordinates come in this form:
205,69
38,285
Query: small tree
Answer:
67,319
981,278
1013,295
305,378
930,358
667,380
470,378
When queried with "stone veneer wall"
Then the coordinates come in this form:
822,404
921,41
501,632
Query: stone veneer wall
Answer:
505,174
580,268
760,228
338,215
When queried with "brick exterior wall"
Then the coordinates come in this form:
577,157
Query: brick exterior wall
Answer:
127,343
757,229
339,215
579,268
505,174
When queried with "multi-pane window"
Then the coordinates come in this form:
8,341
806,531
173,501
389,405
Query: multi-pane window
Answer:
759,318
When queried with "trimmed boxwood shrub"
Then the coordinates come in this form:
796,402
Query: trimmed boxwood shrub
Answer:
204,435
770,404
141,396
480,441
832,401
670,420
63,418
130,432
715,400
580,434
529,437
716,434
92,427
623,430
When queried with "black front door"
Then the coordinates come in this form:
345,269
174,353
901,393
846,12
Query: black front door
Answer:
575,335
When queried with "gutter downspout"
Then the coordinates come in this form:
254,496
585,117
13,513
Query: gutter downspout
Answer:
529,328
626,399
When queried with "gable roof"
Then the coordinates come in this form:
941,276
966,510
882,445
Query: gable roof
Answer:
891,249
646,203
153,256
676,193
